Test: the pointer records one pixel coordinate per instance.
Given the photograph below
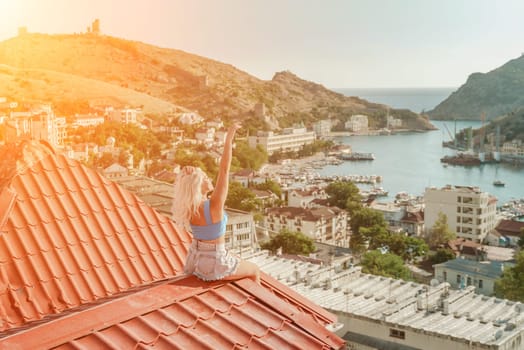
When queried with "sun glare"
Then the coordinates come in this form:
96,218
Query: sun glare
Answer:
8,7
9,12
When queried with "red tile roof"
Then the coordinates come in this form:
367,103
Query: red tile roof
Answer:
68,236
86,264
510,227
184,314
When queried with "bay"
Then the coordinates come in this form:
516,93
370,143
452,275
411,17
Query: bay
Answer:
415,99
410,162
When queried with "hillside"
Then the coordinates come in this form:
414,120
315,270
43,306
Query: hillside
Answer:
98,68
495,93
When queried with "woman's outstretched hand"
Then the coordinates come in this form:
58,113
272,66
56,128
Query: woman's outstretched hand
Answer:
233,128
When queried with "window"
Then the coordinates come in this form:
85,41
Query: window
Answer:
481,284
458,279
469,281
445,274
395,333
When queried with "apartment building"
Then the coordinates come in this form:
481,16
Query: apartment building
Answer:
240,230
303,197
514,147
322,224
357,123
291,139
471,213
86,120
124,115
322,127
38,123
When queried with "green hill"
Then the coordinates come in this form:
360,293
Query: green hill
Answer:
495,93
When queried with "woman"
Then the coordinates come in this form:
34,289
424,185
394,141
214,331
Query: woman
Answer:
206,219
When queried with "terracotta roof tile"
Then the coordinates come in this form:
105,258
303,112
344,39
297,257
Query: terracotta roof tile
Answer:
70,236
510,227
86,264
186,314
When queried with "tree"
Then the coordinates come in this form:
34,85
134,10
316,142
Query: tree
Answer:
440,232
248,157
366,217
342,193
270,185
511,284
290,242
415,247
442,255
240,198
388,265
521,239
368,229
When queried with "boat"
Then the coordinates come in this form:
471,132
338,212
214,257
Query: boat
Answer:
357,156
498,183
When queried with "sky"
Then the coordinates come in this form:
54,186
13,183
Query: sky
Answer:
337,43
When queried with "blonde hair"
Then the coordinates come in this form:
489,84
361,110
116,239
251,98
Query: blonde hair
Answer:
187,196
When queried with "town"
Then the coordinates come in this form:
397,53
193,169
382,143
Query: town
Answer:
420,270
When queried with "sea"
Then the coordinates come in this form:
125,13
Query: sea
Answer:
410,162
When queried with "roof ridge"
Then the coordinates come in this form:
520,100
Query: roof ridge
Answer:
16,157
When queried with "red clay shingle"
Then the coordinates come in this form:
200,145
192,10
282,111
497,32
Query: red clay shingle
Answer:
86,264
69,236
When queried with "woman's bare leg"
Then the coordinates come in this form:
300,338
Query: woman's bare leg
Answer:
246,269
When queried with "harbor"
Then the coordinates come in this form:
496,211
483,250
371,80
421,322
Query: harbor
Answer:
411,162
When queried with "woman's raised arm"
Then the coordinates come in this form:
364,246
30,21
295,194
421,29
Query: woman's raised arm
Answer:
218,198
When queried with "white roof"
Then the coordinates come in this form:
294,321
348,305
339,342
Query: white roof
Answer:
471,317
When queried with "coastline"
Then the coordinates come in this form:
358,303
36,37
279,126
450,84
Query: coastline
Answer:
376,132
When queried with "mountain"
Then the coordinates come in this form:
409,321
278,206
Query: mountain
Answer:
495,93
98,69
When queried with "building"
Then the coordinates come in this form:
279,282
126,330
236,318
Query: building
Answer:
514,148
509,232
81,151
87,120
189,118
303,197
413,222
322,128
38,123
124,115
460,273
392,212
357,123
266,198
291,139
87,264
205,136
322,224
384,313
240,230
244,176
470,212
393,122
115,170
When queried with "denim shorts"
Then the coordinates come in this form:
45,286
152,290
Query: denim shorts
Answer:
209,261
